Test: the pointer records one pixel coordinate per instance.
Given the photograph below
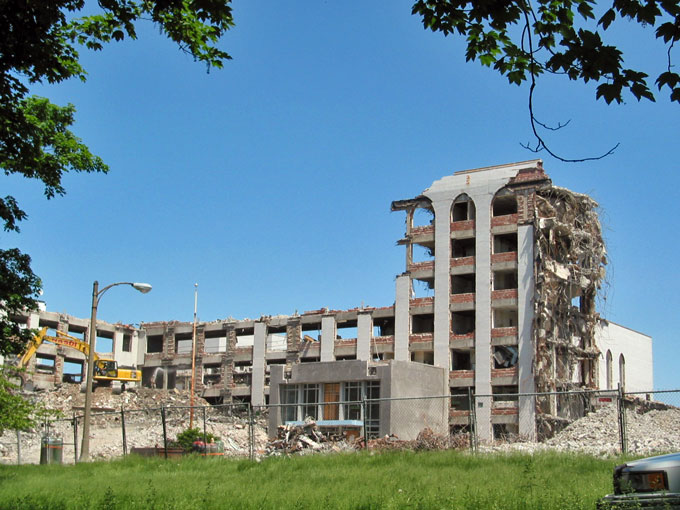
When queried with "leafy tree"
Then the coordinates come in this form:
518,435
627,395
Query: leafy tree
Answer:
40,43
522,40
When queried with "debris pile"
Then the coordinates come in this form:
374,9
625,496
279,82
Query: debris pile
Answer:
143,423
570,263
307,438
650,430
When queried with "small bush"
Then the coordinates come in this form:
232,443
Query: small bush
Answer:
187,438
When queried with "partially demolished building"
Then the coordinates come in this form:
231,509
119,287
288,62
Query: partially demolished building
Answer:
498,296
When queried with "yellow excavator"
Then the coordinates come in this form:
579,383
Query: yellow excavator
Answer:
106,371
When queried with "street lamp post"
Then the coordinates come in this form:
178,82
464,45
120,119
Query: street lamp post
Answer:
96,296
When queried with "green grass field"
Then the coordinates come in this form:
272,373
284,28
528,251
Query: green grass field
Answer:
390,480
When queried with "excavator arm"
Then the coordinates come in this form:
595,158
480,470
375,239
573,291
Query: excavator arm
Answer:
61,339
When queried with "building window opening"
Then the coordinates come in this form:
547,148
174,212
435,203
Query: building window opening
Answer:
154,343
504,318
505,243
463,284
104,341
463,209
422,288
73,371
244,339
183,343
504,280
622,371
44,363
459,401
212,374
277,341
610,377
346,330
372,409
425,357
422,323
504,204
310,401
352,397
127,342
505,356
383,326
463,322
289,399
505,393
215,341
422,253
461,360
423,216
463,248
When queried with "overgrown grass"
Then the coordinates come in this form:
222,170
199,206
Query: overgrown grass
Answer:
393,480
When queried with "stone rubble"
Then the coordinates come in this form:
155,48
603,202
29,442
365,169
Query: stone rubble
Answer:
143,424
651,429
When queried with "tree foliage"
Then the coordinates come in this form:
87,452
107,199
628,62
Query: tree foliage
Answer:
522,40
40,43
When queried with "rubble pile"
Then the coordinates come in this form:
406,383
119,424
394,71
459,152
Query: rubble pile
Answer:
143,423
307,438
649,431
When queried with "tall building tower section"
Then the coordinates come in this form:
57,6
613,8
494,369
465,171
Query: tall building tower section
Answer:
505,279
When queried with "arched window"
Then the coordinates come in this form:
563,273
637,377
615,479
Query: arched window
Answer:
622,371
463,208
504,203
610,378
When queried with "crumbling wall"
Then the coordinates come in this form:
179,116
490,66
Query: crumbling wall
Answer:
570,261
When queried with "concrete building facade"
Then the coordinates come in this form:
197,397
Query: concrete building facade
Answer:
502,271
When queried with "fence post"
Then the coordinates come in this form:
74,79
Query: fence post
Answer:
165,433
364,415
122,425
251,433
621,405
75,437
205,436
471,410
18,447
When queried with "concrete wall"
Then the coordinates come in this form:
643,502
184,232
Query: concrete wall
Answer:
398,379
637,352
407,418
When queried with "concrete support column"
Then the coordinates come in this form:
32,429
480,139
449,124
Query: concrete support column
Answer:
329,333
442,282
364,335
525,314
139,346
483,314
33,320
117,347
259,364
402,320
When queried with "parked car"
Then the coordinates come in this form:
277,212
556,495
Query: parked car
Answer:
652,483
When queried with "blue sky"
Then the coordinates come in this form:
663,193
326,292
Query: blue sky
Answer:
269,182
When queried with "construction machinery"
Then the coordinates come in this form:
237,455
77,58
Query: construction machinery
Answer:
105,371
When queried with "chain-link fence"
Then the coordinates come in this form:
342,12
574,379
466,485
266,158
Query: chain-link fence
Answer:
609,421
